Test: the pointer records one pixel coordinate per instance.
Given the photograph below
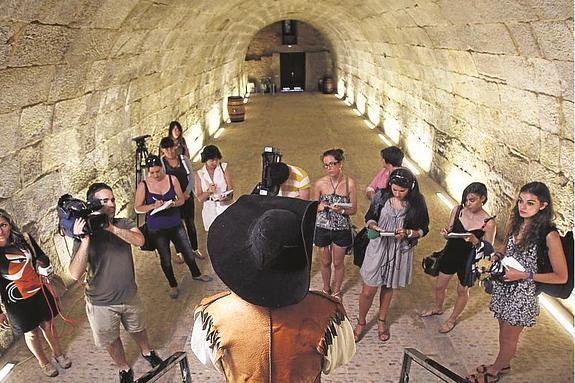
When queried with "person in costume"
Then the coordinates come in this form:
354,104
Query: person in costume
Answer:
261,248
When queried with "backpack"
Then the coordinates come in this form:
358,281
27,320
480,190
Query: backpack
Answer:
563,290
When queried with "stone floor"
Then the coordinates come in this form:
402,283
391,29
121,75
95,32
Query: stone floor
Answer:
303,126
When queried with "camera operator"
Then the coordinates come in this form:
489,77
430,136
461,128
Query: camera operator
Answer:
293,181
111,292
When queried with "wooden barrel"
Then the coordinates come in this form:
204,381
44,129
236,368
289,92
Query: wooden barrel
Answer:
236,109
327,85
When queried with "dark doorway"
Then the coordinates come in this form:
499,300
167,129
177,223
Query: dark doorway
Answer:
292,69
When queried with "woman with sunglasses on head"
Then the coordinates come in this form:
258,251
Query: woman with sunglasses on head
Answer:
337,198
166,226
470,218
175,133
533,241
30,307
397,218
180,166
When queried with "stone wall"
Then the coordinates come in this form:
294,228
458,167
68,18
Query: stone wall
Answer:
262,57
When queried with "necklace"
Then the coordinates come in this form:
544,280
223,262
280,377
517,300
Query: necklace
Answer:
336,184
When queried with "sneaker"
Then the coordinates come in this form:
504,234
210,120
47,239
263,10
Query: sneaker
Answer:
203,278
127,376
153,358
49,370
63,361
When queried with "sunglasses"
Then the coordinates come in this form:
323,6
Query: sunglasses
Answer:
330,164
401,181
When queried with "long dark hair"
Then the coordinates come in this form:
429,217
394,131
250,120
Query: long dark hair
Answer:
416,215
16,236
174,125
540,221
335,153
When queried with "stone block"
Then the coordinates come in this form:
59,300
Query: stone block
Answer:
524,138
524,38
40,45
566,160
546,79
442,37
113,98
128,43
44,192
78,177
111,13
461,62
7,32
69,114
555,40
109,124
568,117
24,86
504,11
90,45
35,122
549,114
490,38
460,12
520,103
69,82
565,73
54,145
30,163
11,173
551,151
10,141
428,14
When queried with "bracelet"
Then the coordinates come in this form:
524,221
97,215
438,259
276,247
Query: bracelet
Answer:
530,275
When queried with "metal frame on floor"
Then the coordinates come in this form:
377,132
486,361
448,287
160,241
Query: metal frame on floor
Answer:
437,369
178,358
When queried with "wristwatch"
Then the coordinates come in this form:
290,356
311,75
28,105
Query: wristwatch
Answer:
530,275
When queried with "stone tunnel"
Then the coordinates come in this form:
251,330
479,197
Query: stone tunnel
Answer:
469,89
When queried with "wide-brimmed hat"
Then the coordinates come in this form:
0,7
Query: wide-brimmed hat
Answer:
261,248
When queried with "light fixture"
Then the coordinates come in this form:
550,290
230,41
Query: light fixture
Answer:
357,112
411,166
369,124
560,317
4,371
446,200
219,133
385,140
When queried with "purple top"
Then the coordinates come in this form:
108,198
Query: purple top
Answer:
165,219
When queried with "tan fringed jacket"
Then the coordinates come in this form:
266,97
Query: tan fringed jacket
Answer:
249,343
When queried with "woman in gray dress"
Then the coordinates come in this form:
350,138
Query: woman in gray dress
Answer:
397,218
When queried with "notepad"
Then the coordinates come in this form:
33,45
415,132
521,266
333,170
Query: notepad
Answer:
345,205
508,262
166,205
458,235
222,196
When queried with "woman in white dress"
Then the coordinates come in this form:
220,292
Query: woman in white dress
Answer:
212,181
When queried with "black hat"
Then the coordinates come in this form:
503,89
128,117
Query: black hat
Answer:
261,248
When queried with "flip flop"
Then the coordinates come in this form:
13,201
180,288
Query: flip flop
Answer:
447,327
358,330
428,313
485,378
482,369
384,334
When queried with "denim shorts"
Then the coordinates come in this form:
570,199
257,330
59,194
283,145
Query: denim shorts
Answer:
325,237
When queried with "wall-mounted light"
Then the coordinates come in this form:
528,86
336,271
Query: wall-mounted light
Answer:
4,371
559,315
369,124
219,132
446,200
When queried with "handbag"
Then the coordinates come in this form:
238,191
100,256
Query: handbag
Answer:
360,243
431,263
148,243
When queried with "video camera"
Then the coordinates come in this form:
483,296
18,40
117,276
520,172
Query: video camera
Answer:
270,155
70,209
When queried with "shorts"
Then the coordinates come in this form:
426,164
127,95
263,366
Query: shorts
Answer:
105,320
325,237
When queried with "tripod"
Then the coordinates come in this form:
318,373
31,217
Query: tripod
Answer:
141,157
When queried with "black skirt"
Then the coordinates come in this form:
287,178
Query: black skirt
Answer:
28,314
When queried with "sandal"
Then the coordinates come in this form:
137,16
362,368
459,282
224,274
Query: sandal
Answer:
358,330
447,327
482,369
179,259
384,334
485,378
338,295
431,312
